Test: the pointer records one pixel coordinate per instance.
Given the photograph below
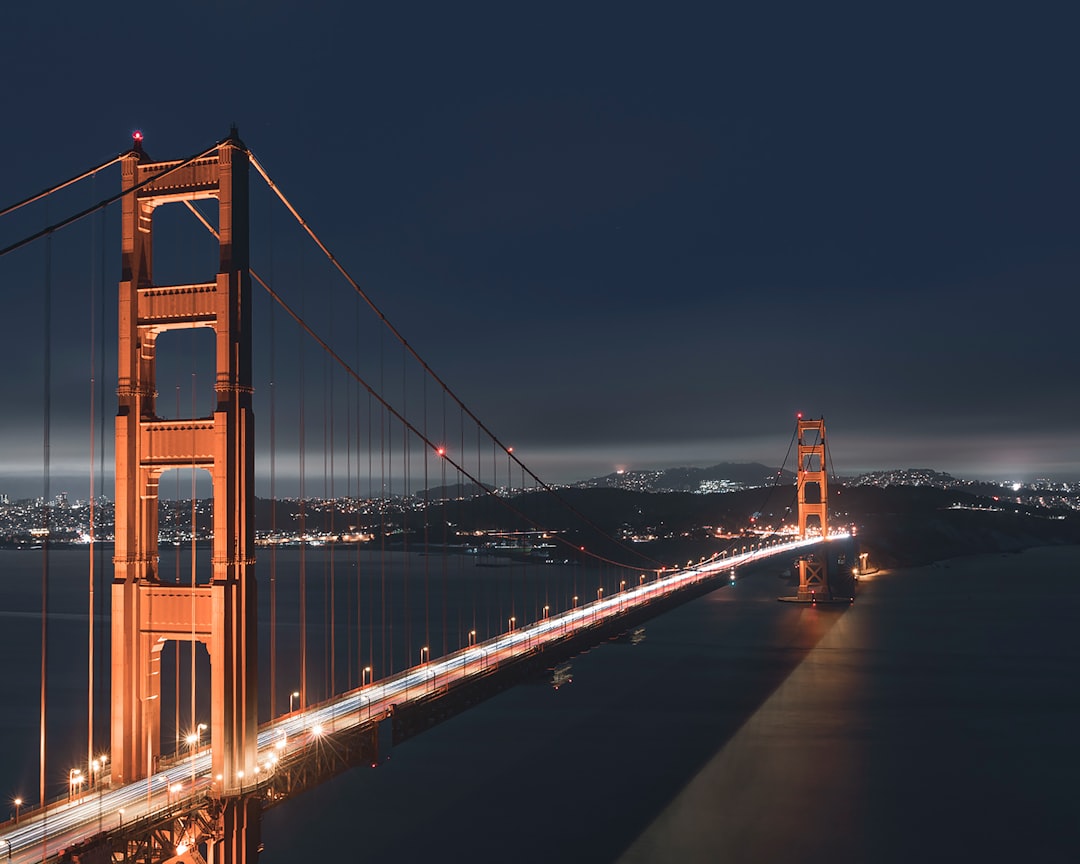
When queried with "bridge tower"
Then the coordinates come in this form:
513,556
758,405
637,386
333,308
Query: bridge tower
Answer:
220,612
812,478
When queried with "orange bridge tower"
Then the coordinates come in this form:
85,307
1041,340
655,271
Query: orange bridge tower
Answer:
219,611
812,482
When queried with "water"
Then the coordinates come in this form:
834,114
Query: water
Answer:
431,601
932,721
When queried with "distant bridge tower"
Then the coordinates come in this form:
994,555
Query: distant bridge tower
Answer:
812,482
221,612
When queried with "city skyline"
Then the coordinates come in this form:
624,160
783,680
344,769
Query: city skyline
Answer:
625,242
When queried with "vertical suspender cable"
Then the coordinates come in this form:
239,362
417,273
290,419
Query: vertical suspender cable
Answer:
46,456
445,534
349,499
101,402
328,554
384,656
273,520
371,497
90,601
427,532
273,489
332,690
194,545
509,493
175,512
356,511
303,540
409,656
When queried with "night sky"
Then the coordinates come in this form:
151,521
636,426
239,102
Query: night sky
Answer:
626,236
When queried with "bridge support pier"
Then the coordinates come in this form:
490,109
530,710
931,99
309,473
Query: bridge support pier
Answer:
813,579
240,835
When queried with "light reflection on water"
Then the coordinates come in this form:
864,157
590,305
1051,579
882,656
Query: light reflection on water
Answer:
933,722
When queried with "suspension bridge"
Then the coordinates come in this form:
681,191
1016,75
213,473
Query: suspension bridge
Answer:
386,529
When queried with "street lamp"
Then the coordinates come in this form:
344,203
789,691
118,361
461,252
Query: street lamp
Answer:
599,593
18,804
512,620
365,676
575,601
193,742
75,779
424,654
472,637
294,695
546,610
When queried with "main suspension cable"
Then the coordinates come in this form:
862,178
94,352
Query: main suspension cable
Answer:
89,172
105,202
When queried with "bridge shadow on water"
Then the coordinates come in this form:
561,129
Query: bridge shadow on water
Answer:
535,774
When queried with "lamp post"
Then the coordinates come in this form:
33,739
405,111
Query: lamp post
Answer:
472,637
75,779
424,655
512,620
194,740
294,695
546,610
365,676
18,805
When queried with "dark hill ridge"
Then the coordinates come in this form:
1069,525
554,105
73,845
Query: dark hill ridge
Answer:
719,477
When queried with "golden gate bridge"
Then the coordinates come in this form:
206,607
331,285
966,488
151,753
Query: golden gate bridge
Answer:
405,437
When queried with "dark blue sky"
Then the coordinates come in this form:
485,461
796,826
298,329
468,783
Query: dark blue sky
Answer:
638,238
